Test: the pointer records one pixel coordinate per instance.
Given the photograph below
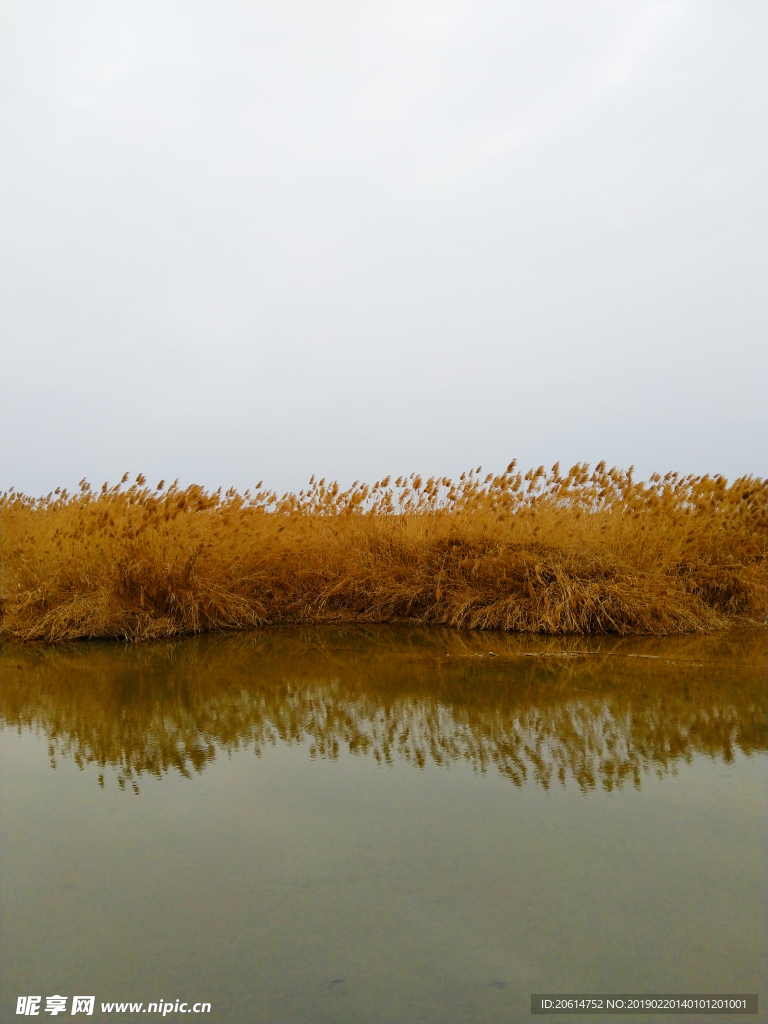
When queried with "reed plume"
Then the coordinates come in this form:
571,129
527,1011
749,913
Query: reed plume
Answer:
589,552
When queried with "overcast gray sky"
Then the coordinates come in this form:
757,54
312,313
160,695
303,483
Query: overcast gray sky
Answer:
270,239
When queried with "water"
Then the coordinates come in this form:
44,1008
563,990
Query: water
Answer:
383,824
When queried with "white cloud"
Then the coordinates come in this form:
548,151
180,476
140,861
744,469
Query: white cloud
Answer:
381,236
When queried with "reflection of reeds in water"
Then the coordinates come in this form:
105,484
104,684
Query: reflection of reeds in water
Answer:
586,553
598,714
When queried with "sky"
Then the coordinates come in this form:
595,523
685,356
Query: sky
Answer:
257,241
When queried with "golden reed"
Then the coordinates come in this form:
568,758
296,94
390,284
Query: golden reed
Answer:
585,553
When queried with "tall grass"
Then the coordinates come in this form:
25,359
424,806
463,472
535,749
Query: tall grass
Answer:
588,552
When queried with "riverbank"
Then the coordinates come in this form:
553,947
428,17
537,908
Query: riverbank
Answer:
591,552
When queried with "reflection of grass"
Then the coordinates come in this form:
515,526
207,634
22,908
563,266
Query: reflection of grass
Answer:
585,553
598,716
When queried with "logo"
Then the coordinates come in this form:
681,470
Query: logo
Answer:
30,1005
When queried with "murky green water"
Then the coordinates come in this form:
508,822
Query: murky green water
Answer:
384,824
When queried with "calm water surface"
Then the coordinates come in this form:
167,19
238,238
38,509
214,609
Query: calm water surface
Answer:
384,824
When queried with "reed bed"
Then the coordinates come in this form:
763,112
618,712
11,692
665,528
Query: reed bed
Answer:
588,552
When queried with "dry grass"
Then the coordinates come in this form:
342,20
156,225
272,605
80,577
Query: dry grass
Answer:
585,553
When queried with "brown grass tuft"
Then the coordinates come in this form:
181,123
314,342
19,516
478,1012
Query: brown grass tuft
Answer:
590,552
